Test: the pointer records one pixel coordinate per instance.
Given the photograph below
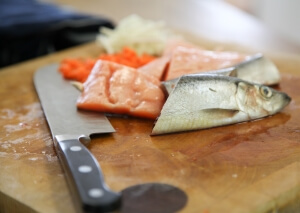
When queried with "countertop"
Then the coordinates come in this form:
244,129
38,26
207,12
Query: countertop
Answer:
248,167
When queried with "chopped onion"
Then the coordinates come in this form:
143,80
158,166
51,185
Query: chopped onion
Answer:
143,36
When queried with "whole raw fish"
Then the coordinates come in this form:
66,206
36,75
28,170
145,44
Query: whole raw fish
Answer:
200,101
257,69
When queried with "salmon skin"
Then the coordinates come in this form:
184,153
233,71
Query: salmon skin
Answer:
200,101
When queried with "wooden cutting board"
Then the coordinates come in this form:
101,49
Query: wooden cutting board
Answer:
247,167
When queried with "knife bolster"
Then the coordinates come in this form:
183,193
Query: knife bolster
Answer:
84,139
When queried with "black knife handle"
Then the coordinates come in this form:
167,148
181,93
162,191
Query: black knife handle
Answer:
85,176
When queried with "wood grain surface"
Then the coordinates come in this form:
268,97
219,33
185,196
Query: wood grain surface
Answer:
248,167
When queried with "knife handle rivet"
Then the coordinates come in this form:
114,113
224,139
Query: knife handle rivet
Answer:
96,192
75,148
84,169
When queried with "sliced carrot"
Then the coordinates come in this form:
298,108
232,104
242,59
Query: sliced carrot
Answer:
78,69
128,57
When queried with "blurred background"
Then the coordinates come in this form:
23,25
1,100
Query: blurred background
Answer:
32,28
281,16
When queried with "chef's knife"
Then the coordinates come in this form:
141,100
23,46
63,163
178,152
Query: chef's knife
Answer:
70,127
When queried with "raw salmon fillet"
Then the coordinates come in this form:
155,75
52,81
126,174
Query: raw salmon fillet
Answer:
115,88
181,58
157,67
188,60
175,43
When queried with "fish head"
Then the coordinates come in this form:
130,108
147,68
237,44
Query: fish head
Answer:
258,100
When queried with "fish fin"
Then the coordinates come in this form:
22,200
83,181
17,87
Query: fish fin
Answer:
202,119
219,113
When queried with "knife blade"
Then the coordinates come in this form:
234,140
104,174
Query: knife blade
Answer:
70,128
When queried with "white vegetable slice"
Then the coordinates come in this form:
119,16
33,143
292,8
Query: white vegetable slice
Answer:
144,36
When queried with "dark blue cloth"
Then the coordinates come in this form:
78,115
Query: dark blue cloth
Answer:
29,28
25,17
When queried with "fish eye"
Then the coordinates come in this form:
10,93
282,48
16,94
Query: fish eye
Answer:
266,92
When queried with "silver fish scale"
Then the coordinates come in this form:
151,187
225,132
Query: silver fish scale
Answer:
201,101
197,90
